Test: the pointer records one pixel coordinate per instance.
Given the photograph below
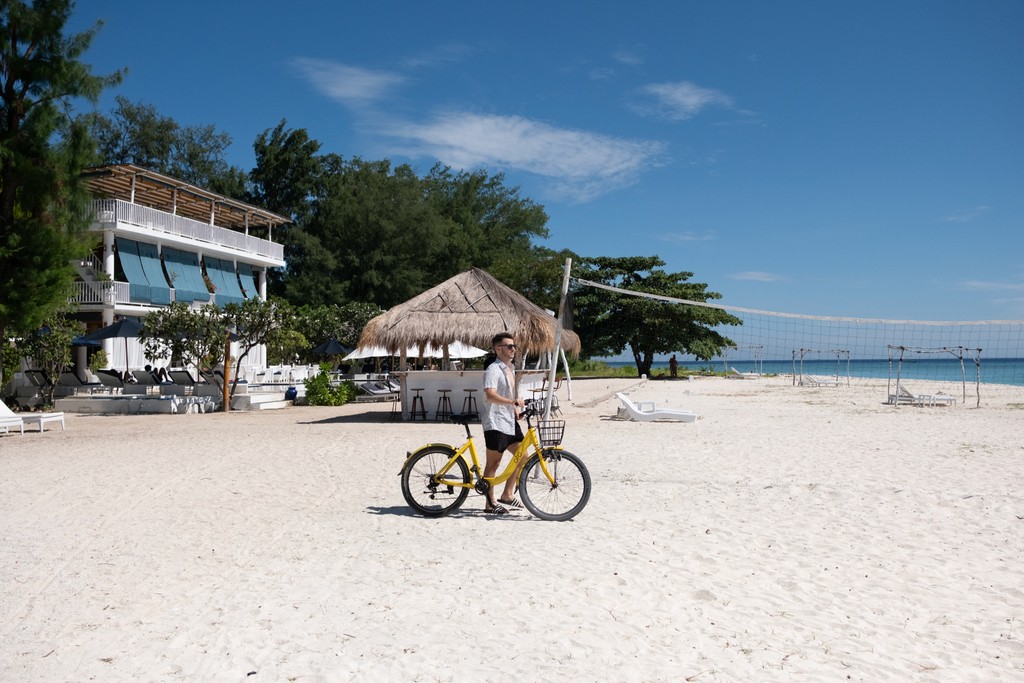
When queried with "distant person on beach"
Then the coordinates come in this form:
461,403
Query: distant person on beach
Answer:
500,419
673,366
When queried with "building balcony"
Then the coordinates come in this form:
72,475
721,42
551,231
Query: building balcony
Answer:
126,217
103,293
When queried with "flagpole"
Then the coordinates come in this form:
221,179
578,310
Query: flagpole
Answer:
558,340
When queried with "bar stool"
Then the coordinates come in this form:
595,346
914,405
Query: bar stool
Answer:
469,404
417,410
444,406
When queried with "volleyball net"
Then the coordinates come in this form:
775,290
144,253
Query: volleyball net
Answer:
861,349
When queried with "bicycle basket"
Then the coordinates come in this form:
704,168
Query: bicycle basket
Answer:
550,432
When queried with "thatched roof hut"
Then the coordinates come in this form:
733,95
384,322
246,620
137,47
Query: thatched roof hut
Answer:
471,308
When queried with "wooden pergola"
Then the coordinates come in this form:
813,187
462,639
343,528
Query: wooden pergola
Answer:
138,185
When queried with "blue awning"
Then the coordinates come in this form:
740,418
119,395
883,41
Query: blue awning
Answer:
131,264
222,273
159,291
187,276
248,281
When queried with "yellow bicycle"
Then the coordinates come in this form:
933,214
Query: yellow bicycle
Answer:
554,484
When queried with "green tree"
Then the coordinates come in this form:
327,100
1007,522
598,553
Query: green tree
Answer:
255,322
286,180
536,273
43,150
49,347
372,237
608,322
136,133
196,337
343,322
488,223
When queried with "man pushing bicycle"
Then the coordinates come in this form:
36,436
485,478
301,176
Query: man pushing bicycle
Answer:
501,420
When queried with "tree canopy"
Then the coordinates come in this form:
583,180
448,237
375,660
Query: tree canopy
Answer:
136,133
609,322
42,222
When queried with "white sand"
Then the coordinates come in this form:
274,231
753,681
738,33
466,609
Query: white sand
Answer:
790,534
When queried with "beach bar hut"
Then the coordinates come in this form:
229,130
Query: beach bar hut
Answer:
469,308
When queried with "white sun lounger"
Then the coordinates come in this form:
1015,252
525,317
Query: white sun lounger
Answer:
646,411
809,381
10,418
904,395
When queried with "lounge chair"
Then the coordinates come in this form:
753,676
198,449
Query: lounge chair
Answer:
7,415
182,378
6,423
904,395
809,381
736,374
70,381
111,379
376,391
646,411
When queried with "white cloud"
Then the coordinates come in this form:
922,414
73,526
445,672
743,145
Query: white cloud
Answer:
352,86
967,216
992,286
678,101
575,164
581,164
758,276
686,237
439,56
632,56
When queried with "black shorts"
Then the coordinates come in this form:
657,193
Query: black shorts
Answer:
499,441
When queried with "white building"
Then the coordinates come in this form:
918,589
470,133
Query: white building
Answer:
163,241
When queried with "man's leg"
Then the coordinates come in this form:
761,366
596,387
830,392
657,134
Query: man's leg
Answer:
490,469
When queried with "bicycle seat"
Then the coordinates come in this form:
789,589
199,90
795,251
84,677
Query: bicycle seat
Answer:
462,418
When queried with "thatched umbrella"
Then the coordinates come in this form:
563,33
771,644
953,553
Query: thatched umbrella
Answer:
470,308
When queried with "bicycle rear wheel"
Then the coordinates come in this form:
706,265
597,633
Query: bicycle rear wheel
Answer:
424,492
566,497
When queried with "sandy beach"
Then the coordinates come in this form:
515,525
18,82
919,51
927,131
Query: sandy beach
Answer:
791,533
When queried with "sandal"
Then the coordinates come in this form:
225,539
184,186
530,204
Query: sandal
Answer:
514,503
496,510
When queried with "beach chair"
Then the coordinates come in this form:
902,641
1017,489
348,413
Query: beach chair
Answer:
646,411
72,384
6,423
182,378
905,396
40,419
736,374
376,391
809,381
213,378
110,379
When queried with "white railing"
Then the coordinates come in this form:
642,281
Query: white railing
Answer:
116,210
100,292
113,292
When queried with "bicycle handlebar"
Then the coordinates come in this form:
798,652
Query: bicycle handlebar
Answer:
531,408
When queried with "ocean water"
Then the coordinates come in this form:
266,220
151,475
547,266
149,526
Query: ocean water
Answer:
991,370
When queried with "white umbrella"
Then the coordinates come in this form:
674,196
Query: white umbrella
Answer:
455,350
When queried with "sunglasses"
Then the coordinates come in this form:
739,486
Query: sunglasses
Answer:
507,346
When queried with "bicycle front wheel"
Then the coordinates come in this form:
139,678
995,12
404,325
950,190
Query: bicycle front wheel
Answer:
562,499
426,492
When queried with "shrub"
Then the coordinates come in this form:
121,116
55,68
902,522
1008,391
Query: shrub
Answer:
320,391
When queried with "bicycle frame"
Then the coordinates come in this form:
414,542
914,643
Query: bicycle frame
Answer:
530,441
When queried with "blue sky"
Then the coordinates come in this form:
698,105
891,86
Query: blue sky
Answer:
846,159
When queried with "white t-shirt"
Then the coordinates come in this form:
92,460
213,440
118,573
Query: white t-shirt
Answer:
498,416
